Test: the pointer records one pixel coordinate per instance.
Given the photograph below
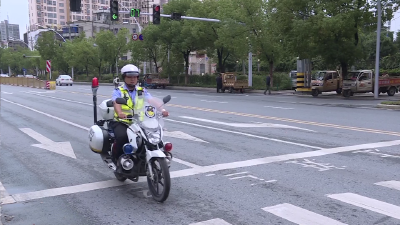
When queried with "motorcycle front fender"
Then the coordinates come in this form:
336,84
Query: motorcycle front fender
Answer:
154,154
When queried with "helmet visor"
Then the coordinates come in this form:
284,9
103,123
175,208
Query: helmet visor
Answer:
132,74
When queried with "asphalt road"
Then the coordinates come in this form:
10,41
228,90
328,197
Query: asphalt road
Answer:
243,159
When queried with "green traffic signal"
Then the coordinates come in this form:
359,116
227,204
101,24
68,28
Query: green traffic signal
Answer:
114,10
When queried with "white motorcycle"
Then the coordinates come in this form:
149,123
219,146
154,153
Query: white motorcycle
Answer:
146,154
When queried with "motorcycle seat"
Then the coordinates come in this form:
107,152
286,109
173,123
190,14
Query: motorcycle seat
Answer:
110,103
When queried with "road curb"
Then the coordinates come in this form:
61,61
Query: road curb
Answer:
197,88
388,106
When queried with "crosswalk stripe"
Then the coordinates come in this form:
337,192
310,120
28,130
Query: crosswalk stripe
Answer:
368,203
216,221
394,184
299,215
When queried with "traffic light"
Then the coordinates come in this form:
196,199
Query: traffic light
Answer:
75,5
156,14
114,10
176,16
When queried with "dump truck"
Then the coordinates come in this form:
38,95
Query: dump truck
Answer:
362,81
230,82
326,81
154,81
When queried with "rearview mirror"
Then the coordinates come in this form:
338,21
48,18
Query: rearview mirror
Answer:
120,101
167,99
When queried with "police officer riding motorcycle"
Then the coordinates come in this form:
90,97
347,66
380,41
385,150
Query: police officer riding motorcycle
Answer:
135,97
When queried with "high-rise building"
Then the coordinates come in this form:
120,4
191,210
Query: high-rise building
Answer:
56,13
9,32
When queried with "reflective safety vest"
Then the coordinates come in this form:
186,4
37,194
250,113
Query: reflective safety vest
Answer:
138,107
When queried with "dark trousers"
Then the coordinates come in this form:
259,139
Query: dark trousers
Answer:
219,86
121,138
268,88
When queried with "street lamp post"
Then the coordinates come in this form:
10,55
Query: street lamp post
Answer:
378,43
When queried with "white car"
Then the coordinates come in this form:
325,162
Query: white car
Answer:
64,79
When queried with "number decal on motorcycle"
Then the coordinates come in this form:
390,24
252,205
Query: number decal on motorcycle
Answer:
149,112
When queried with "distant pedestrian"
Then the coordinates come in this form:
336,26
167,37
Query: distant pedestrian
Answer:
268,85
219,82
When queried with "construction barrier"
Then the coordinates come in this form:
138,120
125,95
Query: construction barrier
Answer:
27,82
52,85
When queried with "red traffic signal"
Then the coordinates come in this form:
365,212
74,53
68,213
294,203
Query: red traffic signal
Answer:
157,8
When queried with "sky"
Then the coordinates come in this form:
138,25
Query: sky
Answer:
17,11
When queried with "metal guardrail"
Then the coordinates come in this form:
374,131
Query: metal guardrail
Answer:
27,82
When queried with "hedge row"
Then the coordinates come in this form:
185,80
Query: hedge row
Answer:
281,81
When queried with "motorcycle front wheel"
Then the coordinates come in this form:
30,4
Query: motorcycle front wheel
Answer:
161,177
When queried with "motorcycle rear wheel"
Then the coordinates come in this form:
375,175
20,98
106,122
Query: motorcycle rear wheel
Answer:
162,170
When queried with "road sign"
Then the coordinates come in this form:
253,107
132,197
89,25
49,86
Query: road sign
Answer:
48,66
23,69
134,37
141,37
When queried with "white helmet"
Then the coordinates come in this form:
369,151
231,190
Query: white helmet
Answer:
129,70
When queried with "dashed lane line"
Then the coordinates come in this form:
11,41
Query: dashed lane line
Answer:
367,130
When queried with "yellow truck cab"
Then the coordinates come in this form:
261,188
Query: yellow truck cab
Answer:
326,81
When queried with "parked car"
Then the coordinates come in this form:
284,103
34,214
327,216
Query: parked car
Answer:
64,79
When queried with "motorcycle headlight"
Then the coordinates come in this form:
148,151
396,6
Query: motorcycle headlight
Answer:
154,136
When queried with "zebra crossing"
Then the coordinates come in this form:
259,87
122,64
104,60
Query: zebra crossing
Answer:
298,215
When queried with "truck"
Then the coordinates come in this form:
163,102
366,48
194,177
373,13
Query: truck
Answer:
326,81
362,81
154,81
230,82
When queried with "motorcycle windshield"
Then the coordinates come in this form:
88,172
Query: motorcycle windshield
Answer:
150,114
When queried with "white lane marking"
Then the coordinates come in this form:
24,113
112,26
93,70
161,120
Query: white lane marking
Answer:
277,107
182,135
209,175
72,189
3,191
235,132
225,166
62,120
249,125
41,92
189,164
279,158
368,203
299,215
194,171
246,134
46,114
394,184
250,176
213,101
63,148
63,99
233,174
216,221
268,181
8,93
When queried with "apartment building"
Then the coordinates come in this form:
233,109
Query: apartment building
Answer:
8,31
56,14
